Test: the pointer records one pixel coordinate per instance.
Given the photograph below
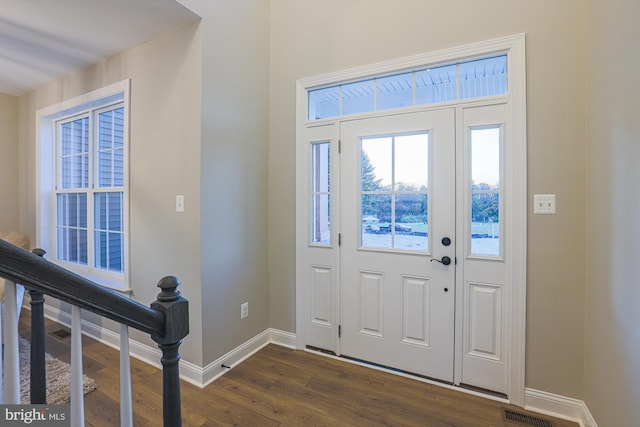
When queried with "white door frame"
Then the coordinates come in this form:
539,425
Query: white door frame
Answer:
515,193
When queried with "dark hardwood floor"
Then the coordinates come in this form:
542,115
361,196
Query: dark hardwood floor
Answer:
281,387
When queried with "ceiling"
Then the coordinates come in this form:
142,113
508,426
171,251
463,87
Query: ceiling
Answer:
41,40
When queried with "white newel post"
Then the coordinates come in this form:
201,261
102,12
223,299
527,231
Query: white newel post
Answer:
77,395
126,407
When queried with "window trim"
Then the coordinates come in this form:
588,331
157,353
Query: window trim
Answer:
46,175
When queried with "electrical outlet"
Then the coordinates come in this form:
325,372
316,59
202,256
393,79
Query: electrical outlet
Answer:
244,310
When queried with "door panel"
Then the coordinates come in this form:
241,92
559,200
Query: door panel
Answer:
397,204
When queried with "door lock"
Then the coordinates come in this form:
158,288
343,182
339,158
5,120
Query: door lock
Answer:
444,261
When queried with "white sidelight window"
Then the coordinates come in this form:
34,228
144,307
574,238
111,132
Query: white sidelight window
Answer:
321,193
83,185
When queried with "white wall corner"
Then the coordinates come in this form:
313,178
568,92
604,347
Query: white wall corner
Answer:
559,406
215,369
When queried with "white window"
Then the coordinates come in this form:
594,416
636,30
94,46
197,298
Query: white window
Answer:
321,193
475,78
83,215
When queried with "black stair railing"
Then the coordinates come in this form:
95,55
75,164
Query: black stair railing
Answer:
167,320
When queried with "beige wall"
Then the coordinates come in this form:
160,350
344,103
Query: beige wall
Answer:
612,327
310,38
8,163
165,112
199,127
234,179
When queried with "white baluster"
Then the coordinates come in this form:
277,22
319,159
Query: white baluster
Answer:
2,357
11,346
126,407
77,394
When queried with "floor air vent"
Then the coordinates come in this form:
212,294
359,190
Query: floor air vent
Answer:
61,334
525,419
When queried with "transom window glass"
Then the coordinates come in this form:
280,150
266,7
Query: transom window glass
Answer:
90,189
462,80
485,191
394,184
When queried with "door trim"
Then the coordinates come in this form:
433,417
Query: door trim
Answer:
515,174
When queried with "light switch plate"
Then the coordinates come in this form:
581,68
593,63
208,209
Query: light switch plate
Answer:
179,203
544,204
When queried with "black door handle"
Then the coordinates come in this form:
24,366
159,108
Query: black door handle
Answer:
444,261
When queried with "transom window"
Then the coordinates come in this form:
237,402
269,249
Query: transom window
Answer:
444,83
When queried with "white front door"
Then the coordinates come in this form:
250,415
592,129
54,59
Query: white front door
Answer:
398,241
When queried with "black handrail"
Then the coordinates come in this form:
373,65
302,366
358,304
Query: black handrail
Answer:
167,320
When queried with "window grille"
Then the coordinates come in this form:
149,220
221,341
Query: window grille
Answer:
475,78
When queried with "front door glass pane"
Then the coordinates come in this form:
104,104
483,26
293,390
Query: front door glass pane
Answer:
394,192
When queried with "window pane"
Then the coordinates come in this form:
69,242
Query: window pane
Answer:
410,228
376,164
436,85
483,77
394,91
321,221
485,158
115,212
357,97
324,103
115,251
108,233
74,154
485,225
110,148
100,243
411,167
100,208
485,191
71,223
376,220
320,192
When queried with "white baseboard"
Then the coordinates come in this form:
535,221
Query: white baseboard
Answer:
189,372
558,406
